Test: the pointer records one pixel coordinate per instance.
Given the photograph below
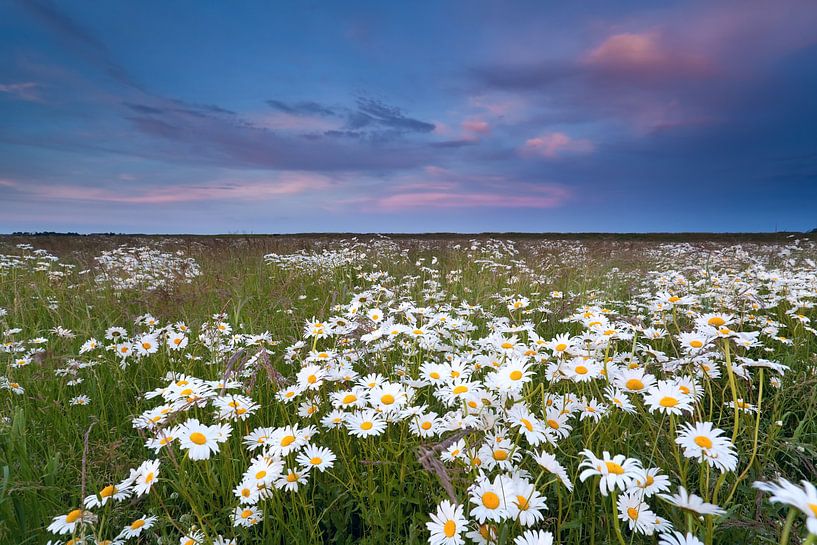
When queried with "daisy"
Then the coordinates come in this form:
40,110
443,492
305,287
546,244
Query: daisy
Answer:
703,442
526,503
677,538
804,499
291,480
549,463
67,524
615,472
426,425
320,458
636,513
135,528
247,515
513,375
199,440
534,537
447,525
109,492
310,377
365,423
489,499
529,425
691,502
650,481
144,477
666,397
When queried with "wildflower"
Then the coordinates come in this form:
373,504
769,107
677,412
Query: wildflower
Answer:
365,423
319,458
615,472
199,440
447,525
691,502
135,528
804,499
635,512
677,538
703,442
666,397
247,516
534,537
489,500
67,524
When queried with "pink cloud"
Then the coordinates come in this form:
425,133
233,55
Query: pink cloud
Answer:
549,198
283,121
29,90
645,53
555,145
220,190
477,126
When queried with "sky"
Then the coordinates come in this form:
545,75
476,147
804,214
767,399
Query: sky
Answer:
466,116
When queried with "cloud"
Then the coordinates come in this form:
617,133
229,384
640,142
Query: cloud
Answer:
305,107
28,90
423,197
77,38
554,145
371,112
217,190
476,127
645,54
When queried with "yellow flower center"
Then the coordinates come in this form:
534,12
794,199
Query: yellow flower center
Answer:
506,345
261,474
614,468
108,491
387,399
516,374
668,401
674,299
634,384
581,370
632,512
426,425
246,513
366,425
73,516
703,441
522,502
198,438
450,528
311,379
716,321
316,461
434,374
490,500
561,347
460,389
292,477
527,424
149,477
554,424
287,440
500,455
136,524
695,343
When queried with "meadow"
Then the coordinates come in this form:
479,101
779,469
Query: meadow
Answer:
430,389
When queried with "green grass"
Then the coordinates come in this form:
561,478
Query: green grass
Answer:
377,491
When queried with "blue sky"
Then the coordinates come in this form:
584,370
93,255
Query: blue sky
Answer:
216,117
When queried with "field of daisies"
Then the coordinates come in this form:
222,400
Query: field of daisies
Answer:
532,391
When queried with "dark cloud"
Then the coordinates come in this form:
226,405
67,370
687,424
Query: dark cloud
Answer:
371,112
78,38
305,107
